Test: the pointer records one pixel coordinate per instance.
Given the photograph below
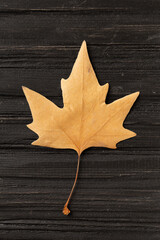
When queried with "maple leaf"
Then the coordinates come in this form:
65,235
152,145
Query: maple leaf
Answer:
85,119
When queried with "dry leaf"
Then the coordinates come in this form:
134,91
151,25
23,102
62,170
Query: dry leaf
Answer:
85,119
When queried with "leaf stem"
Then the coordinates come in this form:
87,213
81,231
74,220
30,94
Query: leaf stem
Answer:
66,211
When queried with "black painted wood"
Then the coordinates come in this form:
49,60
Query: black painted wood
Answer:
118,191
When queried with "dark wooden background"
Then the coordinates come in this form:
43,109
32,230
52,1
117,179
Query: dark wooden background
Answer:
118,191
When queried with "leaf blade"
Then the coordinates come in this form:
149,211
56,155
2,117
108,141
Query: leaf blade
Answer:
85,120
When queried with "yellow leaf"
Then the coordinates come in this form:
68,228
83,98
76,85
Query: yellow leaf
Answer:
85,119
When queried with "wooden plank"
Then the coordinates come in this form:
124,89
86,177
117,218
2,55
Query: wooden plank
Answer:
36,57
145,111
60,5
19,134
49,234
96,163
126,68
36,29
40,211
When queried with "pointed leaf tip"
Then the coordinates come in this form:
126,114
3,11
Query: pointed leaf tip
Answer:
133,96
83,45
24,88
136,94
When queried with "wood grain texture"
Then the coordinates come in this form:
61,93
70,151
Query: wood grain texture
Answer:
83,5
118,191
